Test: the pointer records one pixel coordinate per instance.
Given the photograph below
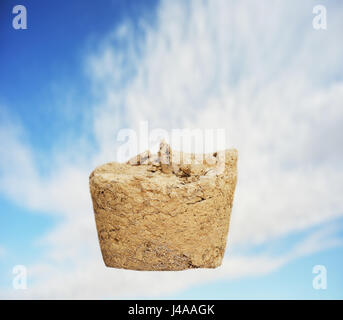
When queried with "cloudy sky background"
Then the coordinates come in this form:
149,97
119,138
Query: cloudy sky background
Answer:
82,72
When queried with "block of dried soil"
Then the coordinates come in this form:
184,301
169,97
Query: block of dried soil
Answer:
169,211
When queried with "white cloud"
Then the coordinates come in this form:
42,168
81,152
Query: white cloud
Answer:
95,281
90,279
223,64
257,69
63,191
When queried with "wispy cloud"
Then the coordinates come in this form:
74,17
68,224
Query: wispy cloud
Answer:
89,278
222,64
208,65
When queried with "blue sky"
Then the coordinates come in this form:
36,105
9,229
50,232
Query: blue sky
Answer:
83,71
